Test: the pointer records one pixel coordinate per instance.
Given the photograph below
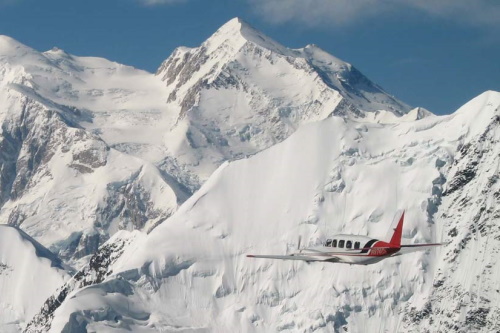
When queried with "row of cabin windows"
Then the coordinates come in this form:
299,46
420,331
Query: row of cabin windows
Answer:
341,243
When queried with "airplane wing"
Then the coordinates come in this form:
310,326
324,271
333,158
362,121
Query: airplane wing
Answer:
296,257
416,247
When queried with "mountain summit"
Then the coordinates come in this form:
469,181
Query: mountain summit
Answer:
237,42
237,32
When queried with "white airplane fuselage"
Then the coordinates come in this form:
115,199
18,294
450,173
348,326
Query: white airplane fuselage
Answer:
350,249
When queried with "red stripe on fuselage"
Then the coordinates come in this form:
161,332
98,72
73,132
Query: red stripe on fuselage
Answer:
380,249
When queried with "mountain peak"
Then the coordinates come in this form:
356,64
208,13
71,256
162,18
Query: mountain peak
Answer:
5,40
236,26
57,54
235,23
236,33
56,50
9,46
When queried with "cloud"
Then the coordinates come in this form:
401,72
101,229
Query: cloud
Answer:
344,12
159,2
313,12
476,12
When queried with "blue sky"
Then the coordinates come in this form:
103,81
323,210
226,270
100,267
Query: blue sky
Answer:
437,54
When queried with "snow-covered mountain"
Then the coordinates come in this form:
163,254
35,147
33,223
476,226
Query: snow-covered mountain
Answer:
29,274
63,182
90,147
191,273
241,92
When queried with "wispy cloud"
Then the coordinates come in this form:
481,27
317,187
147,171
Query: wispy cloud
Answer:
159,2
344,12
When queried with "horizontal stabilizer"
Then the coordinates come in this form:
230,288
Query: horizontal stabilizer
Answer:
417,247
424,245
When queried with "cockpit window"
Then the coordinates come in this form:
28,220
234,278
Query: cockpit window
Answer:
328,242
356,245
348,244
341,243
334,243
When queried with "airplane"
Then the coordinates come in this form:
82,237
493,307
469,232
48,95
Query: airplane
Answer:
356,250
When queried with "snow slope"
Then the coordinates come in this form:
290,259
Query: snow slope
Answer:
191,274
29,274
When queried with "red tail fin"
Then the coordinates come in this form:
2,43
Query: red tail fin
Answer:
398,231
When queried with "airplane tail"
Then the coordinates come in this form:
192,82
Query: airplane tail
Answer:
396,230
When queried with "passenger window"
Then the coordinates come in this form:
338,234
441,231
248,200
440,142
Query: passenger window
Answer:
348,244
356,245
334,243
328,242
341,243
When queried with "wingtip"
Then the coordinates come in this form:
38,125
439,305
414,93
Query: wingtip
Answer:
250,256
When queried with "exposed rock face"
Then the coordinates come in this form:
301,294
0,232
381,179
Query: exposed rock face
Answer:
93,273
465,296
33,137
